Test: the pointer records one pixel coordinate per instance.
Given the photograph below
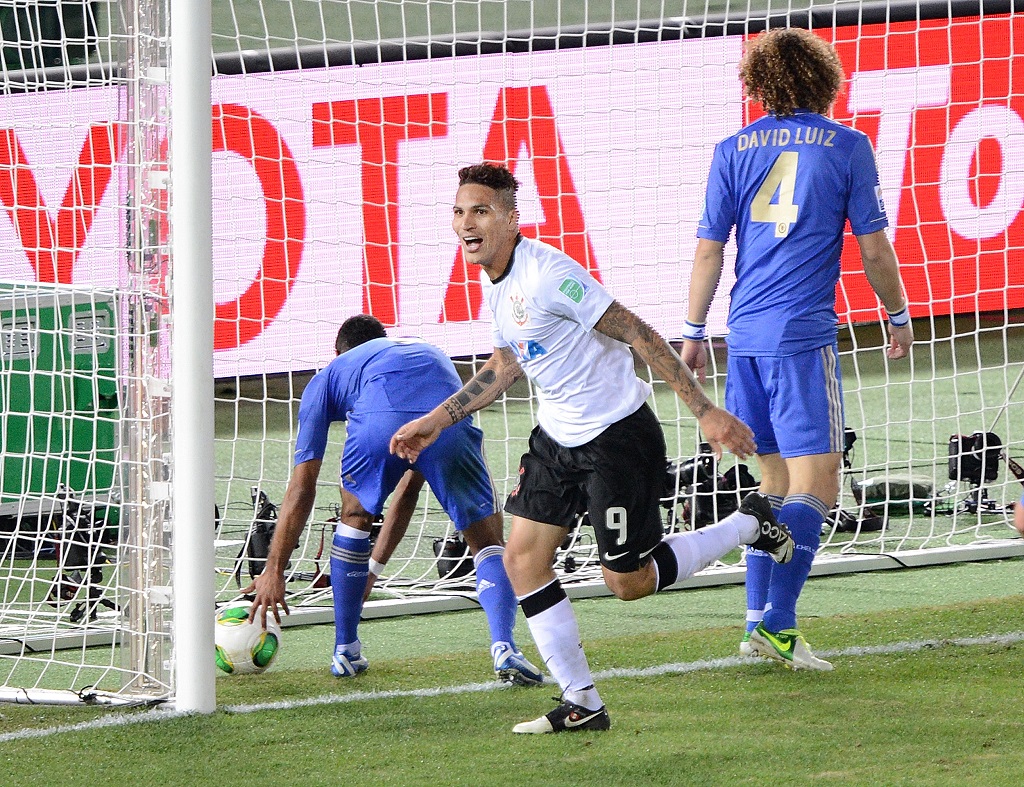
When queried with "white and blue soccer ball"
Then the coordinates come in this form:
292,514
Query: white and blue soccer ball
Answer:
245,648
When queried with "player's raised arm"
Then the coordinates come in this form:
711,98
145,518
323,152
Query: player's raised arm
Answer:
495,377
718,426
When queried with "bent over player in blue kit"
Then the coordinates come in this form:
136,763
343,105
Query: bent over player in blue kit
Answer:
376,384
788,183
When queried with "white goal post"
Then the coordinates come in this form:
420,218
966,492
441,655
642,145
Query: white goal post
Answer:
163,308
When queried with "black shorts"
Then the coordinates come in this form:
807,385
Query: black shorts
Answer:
617,478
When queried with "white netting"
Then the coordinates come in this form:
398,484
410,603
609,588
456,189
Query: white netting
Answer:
612,142
338,128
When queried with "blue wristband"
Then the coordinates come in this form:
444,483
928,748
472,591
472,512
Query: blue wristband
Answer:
693,331
900,318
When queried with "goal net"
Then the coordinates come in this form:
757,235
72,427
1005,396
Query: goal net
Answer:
338,128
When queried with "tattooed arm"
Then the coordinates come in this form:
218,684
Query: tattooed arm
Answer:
494,378
718,426
621,324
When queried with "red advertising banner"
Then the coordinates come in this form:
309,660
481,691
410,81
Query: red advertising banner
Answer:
333,186
943,102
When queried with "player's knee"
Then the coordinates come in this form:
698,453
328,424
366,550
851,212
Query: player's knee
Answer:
516,563
353,514
360,520
484,533
527,572
630,594
629,587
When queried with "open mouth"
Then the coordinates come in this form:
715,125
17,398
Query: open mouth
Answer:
472,243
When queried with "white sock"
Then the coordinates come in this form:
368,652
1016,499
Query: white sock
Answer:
351,649
348,531
557,636
698,549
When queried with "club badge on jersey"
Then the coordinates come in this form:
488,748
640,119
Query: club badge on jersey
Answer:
519,313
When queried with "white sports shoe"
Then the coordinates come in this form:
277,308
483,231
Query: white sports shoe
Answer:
344,665
787,646
511,666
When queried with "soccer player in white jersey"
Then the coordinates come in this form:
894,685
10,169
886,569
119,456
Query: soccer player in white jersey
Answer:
598,445
788,183
374,384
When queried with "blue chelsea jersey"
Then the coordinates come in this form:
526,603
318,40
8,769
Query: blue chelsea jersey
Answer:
788,186
381,375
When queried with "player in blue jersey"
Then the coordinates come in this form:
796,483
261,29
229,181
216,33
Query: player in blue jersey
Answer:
788,183
376,384
597,447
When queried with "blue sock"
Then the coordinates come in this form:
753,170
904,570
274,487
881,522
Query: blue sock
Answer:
495,593
803,515
350,556
759,575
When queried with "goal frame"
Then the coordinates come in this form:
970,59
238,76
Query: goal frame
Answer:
193,469
172,477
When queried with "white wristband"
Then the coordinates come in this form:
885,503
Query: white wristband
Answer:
695,332
900,318
376,568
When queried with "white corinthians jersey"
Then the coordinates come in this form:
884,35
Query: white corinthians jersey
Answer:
545,306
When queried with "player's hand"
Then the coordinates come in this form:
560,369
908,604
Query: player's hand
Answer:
900,339
268,588
695,356
723,429
410,440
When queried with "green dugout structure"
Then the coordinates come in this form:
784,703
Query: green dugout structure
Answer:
59,412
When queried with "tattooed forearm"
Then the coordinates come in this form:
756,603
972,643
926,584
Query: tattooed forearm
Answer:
497,375
622,324
475,387
459,405
509,369
455,410
700,407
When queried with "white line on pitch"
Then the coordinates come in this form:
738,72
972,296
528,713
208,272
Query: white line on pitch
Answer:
161,714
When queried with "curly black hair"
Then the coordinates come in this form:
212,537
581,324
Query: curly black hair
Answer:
493,176
358,329
790,69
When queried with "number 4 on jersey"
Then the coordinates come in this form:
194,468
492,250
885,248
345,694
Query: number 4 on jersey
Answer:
782,179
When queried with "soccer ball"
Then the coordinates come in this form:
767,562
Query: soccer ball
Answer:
245,648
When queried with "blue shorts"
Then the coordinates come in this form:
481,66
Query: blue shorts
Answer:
794,404
453,466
